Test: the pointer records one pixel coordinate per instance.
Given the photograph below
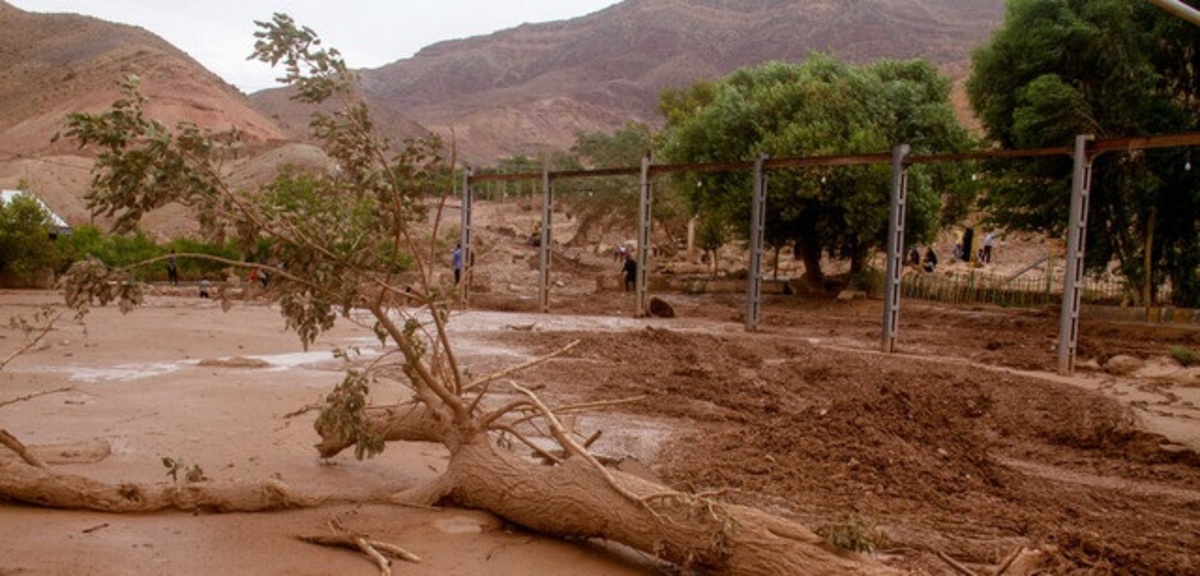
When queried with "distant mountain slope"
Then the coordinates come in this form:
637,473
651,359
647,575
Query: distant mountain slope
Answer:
531,88
53,64
525,90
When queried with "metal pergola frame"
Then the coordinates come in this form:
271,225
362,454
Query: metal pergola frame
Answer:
1084,152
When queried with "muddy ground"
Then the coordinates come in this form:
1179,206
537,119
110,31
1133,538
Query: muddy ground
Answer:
964,444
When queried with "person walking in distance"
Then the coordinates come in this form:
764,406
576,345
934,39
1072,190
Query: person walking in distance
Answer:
457,261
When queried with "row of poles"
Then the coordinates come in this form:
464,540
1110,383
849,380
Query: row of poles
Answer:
1084,152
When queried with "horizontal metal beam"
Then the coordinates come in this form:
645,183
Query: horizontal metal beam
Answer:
1096,147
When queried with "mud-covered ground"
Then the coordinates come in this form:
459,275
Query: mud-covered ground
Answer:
964,443
963,446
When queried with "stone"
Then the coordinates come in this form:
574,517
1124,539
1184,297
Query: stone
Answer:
1123,365
661,308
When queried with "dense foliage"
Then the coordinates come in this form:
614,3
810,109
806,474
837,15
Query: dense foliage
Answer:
823,107
25,244
1058,68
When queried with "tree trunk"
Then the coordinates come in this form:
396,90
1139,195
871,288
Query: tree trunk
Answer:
45,487
574,499
810,251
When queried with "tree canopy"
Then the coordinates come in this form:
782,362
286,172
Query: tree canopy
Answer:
1058,68
823,107
25,245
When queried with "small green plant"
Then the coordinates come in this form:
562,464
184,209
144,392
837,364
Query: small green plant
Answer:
175,466
1185,356
854,534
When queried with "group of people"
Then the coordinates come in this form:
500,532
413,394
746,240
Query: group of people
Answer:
963,243
257,274
928,263
965,240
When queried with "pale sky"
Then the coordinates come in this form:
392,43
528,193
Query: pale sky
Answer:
369,33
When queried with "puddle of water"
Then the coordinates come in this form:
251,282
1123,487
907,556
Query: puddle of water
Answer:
118,373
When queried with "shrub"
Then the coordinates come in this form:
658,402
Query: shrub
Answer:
1185,356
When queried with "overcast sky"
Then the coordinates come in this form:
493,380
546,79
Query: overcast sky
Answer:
369,33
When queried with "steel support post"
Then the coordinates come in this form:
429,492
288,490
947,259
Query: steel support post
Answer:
1081,185
547,216
758,221
895,262
643,247
465,239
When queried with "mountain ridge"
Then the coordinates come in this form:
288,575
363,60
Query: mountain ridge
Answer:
527,90
500,93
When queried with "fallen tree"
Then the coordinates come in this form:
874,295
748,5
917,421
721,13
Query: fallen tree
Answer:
340,243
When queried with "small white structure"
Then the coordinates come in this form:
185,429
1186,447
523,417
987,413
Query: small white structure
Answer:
58,226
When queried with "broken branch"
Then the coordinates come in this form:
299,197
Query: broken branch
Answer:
11,442
519,367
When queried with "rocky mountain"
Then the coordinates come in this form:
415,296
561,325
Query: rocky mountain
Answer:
525,90
53,64
531,88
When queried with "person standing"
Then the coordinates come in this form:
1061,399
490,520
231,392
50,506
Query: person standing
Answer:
456,259
630,270
931,260
988,241
172,269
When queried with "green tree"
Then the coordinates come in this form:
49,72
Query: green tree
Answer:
1058,68
25,244
609,202
822,107
339,239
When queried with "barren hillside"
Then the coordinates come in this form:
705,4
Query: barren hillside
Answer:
53,64
531,88
520,91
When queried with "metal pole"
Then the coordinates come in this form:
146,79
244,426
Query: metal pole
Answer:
1081,184
547,215
758,219
895,263
465,238
643,255
1179,9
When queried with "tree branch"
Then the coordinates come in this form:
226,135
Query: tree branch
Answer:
520,367
12,443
